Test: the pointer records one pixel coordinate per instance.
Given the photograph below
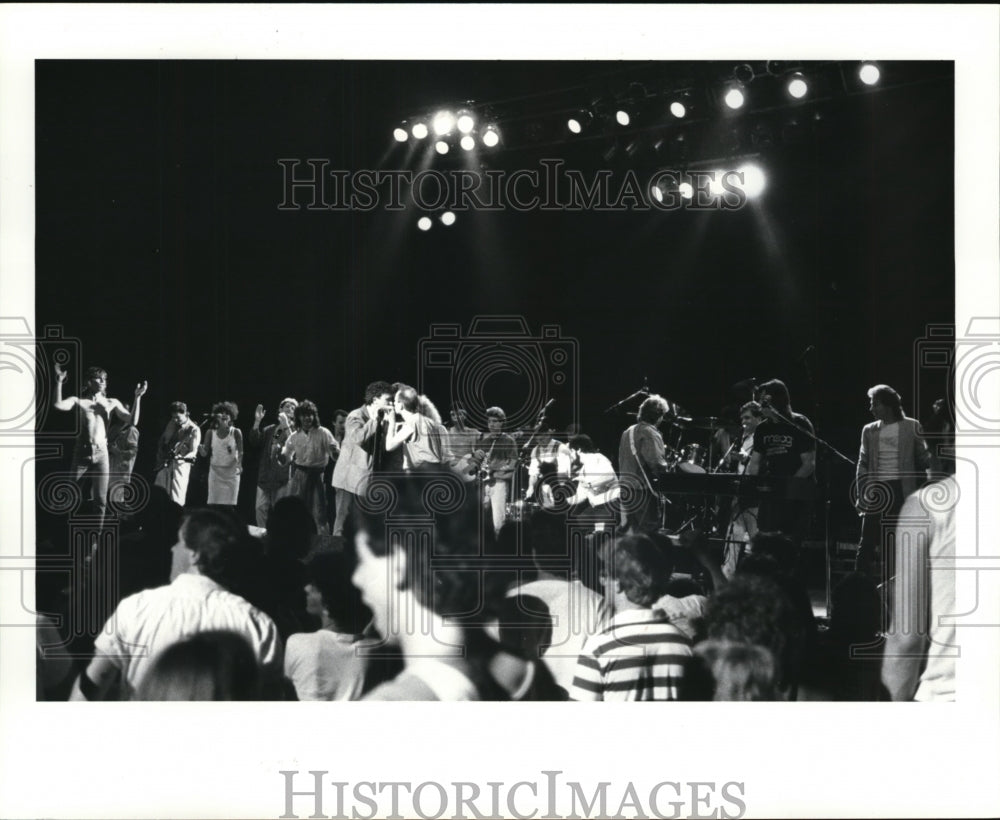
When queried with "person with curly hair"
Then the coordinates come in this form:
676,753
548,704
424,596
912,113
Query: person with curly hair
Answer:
224,447
307,452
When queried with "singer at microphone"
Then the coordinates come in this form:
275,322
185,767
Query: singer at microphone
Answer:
784,447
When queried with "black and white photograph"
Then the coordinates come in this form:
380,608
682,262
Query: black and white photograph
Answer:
390,358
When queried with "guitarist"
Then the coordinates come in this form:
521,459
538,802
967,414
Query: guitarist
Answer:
641,462
176,452
496,455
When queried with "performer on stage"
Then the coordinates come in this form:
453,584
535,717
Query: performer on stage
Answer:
91,462
176,452
224,446
550,460
496,453
419,435
357,457
123,447
743,521
272,475
641,463
308,451
783,447
892,463
597,489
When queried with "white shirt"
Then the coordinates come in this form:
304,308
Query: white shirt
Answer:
326,665
596,480
148,622
888,450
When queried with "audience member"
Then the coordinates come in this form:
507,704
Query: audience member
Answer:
429,588
196,601
211,665
328,664
639,654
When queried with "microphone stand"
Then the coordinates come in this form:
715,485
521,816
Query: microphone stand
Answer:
816,439
642,391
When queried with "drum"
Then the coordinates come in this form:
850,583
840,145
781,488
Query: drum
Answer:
692,459
521,510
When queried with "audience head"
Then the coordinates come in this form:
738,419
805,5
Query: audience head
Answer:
448,577
754,609
330,593
723,670
221,545
212,665
291,528
641,571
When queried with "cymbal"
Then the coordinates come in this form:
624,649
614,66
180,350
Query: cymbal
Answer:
674,409
704,423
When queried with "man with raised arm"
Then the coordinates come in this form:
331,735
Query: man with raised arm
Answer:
91,461
272,475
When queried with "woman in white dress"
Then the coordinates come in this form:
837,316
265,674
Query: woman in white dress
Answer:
224,446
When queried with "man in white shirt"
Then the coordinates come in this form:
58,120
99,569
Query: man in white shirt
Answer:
196,601
892,464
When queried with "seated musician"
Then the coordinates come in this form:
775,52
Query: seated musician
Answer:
550,462
597,489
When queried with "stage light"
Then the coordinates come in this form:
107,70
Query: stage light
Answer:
444,122
734,97
797,86
424,223
869,73
491,138
678,110
579,121
448,218
466,123
754,180
441,147
468,143
656,193
400,134
715,184
419,130
743,74
622,117
685,190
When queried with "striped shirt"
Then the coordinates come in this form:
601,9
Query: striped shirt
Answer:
638,656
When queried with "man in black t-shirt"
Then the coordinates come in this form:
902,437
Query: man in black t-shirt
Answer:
783,447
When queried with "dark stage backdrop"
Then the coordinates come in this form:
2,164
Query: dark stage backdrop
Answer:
161,246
